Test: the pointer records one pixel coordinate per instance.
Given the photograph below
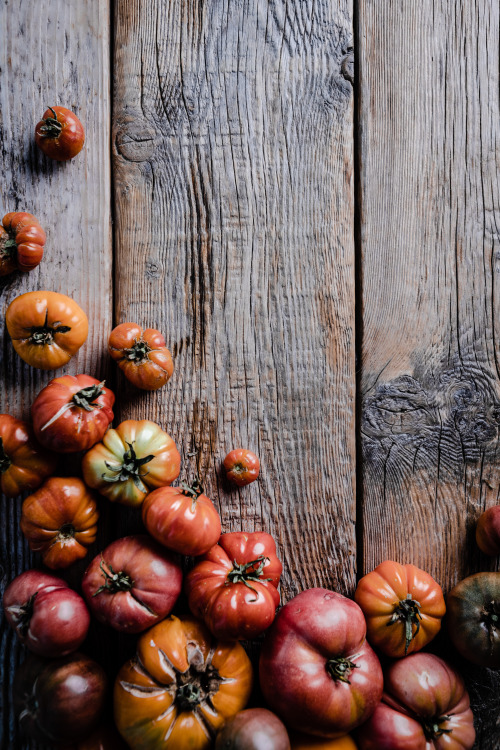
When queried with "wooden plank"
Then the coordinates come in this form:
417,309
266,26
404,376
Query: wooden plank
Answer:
233,162
430,212
52,52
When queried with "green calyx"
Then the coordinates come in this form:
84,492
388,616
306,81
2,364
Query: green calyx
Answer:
433,729
113,582
407,612
130,468
250,571
5,461
8,248
43,335
491,615
51,127
340,669
199,683
193,491
138,352
86,396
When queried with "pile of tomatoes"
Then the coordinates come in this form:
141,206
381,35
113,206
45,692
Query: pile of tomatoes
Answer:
334,673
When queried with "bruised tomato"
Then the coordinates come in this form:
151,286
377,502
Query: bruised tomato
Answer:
60,134
141,355
21,242
24,464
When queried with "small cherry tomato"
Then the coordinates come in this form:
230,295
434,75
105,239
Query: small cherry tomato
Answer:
60,134
72,413
253,729
23,463
182,518
488,531
21,243
141,355
242,466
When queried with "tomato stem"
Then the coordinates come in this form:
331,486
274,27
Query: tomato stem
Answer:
86,396
340,668
45,334
130,468
193,491
138,352
23,614
491,616
5,461
113,582
250,571
432,728
407,612
51,127
197,685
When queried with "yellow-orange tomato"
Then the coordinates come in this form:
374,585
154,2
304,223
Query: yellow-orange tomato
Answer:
303,742
180,688
403,607
141,355
46,328
21,242
23,463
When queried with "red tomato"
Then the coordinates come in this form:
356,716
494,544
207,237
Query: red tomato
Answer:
317,672
425,706
253,729
60,521
242,466
141,355
132,584
21,242
48,617
182,519
234,589
488,531
23,463
403,607
72,413
60,134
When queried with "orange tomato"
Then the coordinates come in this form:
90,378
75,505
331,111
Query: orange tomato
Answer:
141,355
23,463
60,134
21,242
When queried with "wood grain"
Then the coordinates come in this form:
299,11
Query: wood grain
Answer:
52,52
430,212
233,165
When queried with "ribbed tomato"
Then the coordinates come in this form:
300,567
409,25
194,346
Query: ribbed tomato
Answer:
141,355
60,134
24,464
21,242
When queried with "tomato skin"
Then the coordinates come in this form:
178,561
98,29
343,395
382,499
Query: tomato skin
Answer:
230,608
23,463
141,355
425,706
303,742
183,519
317,642
103,738
21,242
151,683
488,531
46,328
47,616
60,140
60,521
473,618
387,589
242,466
253,729
149,584
161,467
72,413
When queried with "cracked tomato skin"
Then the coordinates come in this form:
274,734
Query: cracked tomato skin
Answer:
131,461
385,592
24,464
424,707
180,688
317,671
141,355
229,607
59,134
132,584
21,242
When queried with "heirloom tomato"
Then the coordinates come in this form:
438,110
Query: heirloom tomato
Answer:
317,671
242,466
23,463
132,584
473,618
58,700
253,729
46,328
132,460
180,688
60,134
21,242
60,521
141,355
234,588
303,742
182,518
47,616
424,706
488,531
72,413
105,737
403,607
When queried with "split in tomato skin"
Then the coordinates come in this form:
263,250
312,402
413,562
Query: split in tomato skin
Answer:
242,466
60,134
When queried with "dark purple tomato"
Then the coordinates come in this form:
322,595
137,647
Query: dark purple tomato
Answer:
253,729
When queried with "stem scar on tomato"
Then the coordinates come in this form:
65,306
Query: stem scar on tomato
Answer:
51,127
128,469
341,668
242,573
407,612
45,334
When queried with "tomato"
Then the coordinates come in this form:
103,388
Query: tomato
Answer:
132,584
48,617
425,706
488,531
242,466
303,742
59,134
21,242
141,355
58,700
253,729
132,460
234,588
72,413
403,607
103,738
473,618
60,521
46,328
317,671
182,518
180,688
23,463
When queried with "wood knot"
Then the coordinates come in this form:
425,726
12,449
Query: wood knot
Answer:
347,65
135,141
153,269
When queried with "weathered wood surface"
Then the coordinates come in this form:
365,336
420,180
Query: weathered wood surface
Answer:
430,216
53,51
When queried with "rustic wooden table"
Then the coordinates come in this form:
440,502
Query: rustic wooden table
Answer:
315,230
